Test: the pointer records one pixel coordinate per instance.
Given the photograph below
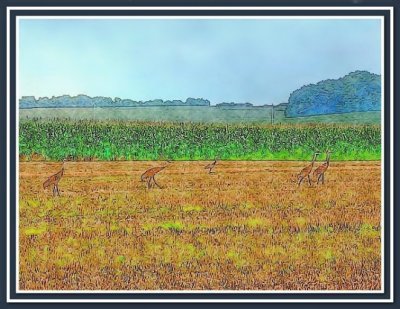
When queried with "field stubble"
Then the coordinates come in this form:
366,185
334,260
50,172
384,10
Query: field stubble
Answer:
246,227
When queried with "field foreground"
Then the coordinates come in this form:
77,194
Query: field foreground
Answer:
246,227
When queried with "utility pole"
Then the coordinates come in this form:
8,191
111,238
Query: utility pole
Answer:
272,115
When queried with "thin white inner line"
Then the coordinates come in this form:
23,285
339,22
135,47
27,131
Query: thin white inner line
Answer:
197,17
225,8
207,17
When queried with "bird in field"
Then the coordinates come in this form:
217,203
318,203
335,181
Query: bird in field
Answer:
211,166
53,180
148,176
319,172
305,172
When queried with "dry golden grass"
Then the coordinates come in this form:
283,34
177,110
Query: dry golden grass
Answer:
247,227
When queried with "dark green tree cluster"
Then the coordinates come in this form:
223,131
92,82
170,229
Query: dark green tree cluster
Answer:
359,91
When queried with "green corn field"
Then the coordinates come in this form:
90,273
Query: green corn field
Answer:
55,140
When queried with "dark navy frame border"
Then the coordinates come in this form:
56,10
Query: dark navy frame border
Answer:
181,296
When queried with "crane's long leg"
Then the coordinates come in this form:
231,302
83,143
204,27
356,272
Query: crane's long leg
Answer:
300,180
309,179
149,183
154,180
323,178
58,191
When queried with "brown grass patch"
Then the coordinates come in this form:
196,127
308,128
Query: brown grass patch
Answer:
247,227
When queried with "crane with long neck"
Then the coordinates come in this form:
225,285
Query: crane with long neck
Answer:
319,172
149,175
305,172
53,180
211,166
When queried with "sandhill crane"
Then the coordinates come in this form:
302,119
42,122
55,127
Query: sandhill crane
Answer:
150,173
305,172
54,180
319,172
211,166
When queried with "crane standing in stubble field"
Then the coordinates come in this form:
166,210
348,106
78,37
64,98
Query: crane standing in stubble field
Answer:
305,172
211,166
319,172
149,175
53,180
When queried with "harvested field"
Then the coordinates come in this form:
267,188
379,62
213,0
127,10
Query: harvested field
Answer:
248,226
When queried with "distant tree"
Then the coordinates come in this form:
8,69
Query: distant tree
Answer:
82,100
356,92
28,102
197,102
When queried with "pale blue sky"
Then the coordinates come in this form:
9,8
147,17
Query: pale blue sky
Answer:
256,61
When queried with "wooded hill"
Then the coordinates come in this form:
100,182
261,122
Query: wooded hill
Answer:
359,91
